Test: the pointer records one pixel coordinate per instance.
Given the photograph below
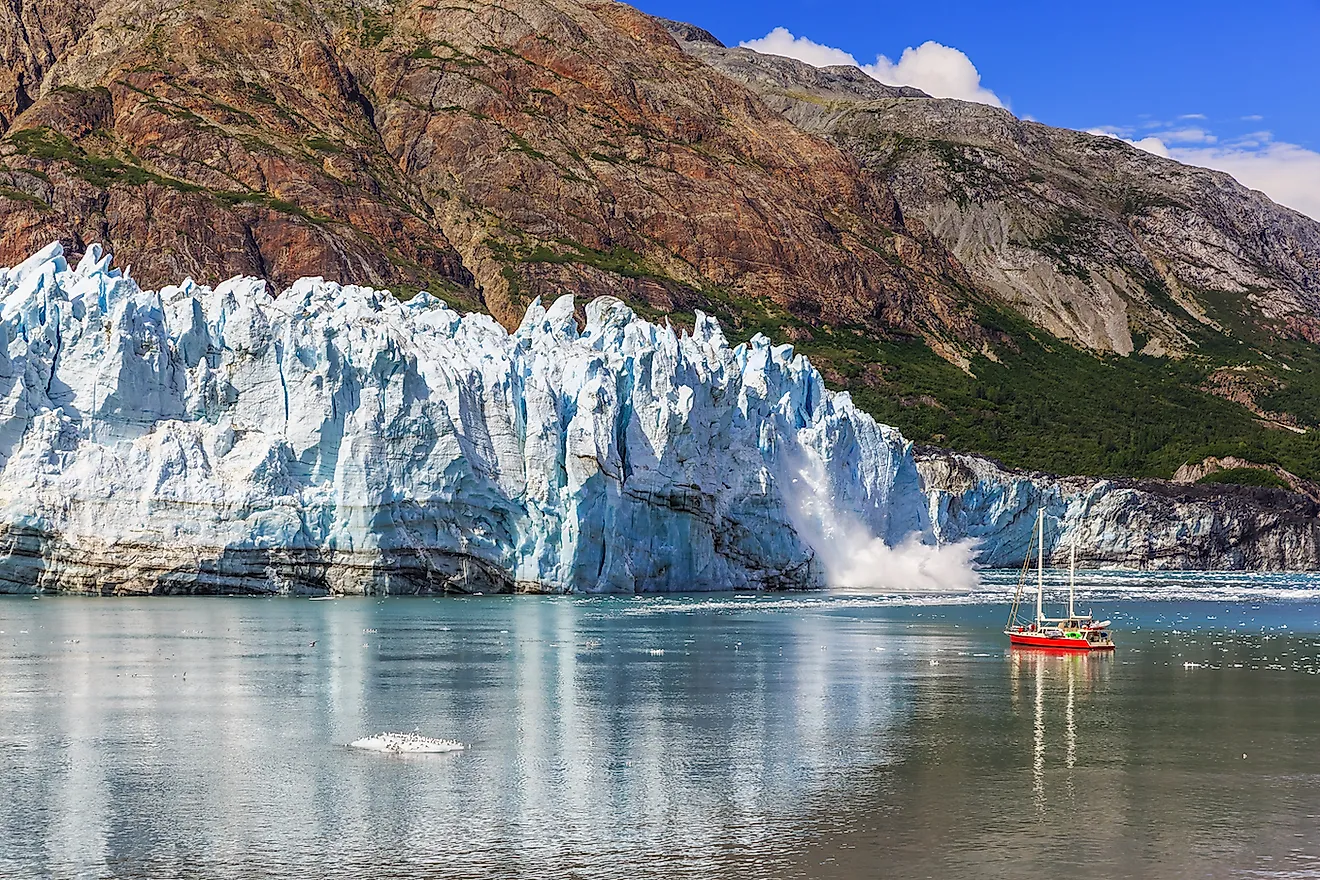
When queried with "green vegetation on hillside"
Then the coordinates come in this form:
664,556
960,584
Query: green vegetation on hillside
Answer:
1057,408
1053,407
107,170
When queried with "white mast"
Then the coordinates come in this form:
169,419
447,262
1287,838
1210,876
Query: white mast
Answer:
1072,577
1040,565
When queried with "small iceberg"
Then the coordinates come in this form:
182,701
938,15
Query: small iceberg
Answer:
406,743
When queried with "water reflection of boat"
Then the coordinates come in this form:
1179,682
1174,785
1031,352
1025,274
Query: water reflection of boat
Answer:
1076,632
1071,675
1061,668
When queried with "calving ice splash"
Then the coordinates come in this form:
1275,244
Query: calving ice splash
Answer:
853,557
333,438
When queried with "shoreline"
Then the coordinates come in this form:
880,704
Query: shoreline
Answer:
994,582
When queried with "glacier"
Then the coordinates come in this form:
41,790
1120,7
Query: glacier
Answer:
334,439
1116,523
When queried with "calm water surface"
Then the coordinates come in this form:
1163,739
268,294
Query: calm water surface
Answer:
775,736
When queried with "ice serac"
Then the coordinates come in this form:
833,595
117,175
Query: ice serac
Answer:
336,439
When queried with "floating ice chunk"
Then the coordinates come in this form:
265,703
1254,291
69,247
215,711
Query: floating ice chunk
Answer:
406,744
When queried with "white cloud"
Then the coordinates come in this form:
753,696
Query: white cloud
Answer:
1253,139
1152,145
940,71
937,70
1149,144
1187,136
1287,173
1192,116
780,42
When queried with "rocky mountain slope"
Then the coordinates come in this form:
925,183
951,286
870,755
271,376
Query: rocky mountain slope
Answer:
490,152
1095,240
1203,288
1051,298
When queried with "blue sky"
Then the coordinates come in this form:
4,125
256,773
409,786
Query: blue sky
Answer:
1228,85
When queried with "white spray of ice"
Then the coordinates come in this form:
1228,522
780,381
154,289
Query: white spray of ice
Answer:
854,559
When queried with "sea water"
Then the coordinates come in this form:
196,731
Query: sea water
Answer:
749,735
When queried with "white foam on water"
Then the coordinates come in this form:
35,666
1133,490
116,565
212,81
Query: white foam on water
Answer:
1216,586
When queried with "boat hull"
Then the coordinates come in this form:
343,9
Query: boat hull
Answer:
1037,640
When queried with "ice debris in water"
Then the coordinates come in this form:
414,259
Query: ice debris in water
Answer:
406,744
335,438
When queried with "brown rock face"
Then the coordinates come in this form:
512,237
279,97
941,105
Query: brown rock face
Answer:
32,36
157,134
491,152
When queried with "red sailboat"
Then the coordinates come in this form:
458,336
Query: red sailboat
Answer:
1076,632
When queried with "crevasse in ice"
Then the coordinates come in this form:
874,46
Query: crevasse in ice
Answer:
335,438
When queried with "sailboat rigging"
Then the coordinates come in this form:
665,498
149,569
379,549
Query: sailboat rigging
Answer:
1076,632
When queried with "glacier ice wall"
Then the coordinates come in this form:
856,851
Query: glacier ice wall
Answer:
1146,524
336,439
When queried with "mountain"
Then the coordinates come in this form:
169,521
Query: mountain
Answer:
1090,238
1054,299
492,153
1190,303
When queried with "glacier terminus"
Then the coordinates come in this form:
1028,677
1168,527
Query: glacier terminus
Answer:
334,439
